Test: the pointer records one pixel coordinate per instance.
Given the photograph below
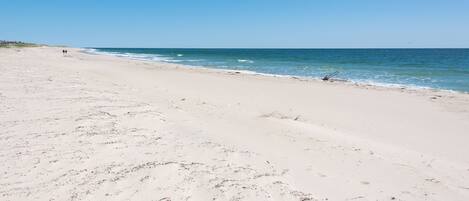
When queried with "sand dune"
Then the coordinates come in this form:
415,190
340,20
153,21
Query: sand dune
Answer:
94,127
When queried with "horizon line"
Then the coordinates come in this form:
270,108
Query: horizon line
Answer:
282,47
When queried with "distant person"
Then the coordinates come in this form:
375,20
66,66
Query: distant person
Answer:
64,52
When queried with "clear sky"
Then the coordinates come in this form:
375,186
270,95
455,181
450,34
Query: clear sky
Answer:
238,23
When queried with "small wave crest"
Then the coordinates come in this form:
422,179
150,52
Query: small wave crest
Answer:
90,51
136,56
245,61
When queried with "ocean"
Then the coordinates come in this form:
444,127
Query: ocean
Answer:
444,69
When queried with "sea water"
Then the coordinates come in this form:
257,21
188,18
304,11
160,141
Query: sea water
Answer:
446,69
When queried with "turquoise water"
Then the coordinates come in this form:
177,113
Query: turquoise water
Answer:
428,68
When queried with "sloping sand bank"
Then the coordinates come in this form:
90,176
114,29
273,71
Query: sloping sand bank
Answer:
93,127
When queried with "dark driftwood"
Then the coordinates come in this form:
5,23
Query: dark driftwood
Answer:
329,76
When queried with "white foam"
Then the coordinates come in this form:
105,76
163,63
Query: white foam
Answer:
90,51
135,56
245,61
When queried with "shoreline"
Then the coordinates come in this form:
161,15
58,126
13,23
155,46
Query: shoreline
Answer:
358,83
377,86
98,127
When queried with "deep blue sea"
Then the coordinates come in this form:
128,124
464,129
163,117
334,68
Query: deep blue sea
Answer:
426,68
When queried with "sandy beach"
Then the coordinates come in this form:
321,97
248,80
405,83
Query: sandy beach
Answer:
97,127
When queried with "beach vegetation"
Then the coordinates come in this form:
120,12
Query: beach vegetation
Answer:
12,44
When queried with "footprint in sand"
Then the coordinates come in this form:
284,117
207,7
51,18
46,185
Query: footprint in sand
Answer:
365,182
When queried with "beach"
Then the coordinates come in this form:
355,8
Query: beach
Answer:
96,127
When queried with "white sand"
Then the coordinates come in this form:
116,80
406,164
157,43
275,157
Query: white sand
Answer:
93,127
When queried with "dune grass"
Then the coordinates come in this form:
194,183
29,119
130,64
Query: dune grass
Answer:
13,44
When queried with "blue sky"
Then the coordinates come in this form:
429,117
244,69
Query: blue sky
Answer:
238,23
